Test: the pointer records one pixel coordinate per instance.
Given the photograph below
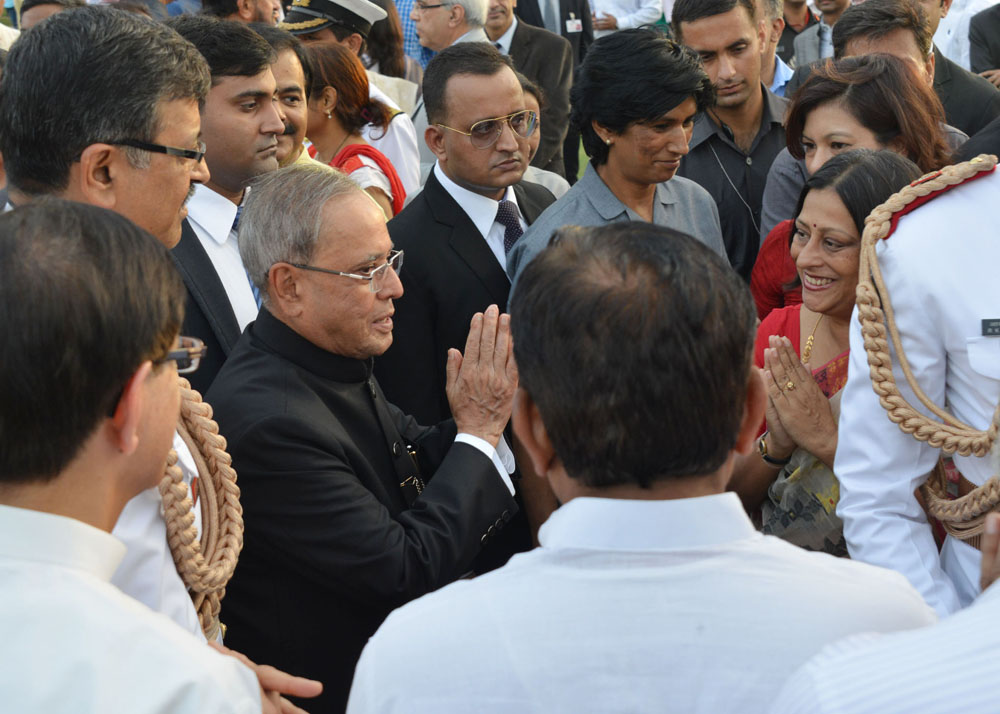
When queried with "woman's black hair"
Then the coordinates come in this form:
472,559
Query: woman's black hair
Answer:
633,76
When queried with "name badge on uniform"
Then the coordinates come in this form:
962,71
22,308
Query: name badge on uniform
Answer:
991,328
573,24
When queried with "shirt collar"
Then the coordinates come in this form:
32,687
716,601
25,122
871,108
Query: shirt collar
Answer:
277,337
213,212
505,39
482,211
773,113
607,204
626,525
57,540
476,34
782,73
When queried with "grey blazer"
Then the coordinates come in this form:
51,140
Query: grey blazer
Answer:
807,46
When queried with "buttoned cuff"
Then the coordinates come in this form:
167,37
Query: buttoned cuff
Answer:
502,456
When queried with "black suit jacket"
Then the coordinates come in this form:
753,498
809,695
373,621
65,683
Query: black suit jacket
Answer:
984,40
970,102
449,274
208,314
986,141
528,11
546,59
332,543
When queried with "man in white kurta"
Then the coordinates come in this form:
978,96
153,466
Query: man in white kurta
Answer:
71,641
940,270
953,666
651,590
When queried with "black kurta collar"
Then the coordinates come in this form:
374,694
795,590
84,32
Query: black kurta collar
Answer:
279,338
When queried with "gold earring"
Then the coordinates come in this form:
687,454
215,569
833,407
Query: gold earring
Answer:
329,114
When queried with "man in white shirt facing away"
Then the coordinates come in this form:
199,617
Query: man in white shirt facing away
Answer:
89,409
651,590
94,154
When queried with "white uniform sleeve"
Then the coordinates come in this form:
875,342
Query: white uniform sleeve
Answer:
879,466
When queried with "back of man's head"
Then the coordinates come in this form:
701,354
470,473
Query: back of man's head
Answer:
219,8
34,11
692,10
634,342
86,298
467,58
874,20
92,74
231,48
475,11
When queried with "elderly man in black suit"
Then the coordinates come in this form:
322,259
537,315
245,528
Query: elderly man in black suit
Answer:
546,59
351,508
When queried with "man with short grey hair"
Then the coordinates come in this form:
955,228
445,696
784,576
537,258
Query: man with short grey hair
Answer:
340,526
774,73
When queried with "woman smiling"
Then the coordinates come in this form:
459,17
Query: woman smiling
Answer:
803,349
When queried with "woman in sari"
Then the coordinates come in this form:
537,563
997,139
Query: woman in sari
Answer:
802,351
865,102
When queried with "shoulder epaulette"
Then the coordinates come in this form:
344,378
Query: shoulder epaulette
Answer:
918,202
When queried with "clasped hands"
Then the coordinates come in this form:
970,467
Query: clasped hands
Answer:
481,382
798,413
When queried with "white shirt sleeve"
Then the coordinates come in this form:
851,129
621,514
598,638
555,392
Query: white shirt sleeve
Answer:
399,144
646,13
502,457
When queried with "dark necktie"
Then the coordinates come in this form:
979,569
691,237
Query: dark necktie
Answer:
235,229
507,217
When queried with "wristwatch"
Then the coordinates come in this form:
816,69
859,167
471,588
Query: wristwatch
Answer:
762,448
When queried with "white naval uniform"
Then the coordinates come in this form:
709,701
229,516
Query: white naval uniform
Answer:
941,270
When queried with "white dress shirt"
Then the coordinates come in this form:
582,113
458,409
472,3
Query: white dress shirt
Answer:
398,143
482,211
72,643
628,13
147,571
211,216
940,270
953,666
629,606
505,39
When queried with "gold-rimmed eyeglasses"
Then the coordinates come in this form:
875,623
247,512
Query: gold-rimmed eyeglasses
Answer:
485,133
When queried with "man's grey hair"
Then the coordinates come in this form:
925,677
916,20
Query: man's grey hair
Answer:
475,11
282,217
772,9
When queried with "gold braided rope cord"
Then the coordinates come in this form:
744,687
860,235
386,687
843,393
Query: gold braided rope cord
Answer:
962,518
206,564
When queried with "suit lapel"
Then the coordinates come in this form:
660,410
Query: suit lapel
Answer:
530,206
519,44
466,241
205,288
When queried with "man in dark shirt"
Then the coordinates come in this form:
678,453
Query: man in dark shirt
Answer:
798,17
733,143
